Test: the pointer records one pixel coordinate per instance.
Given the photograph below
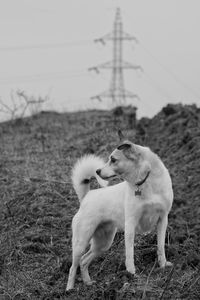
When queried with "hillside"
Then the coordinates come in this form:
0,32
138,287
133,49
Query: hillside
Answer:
38,203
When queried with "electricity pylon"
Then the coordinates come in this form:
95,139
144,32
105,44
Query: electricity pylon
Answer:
117,91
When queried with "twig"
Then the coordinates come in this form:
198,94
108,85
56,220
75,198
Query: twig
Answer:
192,284
37,179
147,281
167,281
176,261
58,194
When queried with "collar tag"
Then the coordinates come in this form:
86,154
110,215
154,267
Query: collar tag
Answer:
138,192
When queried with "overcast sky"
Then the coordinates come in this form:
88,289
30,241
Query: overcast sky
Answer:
46,47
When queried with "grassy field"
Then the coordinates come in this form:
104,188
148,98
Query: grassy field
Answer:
38,203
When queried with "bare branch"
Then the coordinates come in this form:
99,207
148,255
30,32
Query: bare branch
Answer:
21,102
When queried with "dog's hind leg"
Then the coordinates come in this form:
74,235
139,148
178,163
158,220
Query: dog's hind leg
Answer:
84,264
161,231
82,233
101,241
77,253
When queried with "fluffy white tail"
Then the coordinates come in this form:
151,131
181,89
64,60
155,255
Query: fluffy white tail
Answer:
83,170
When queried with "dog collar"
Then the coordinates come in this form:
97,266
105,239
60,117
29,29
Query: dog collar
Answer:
138,192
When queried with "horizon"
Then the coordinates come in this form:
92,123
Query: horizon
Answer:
46,48
90,110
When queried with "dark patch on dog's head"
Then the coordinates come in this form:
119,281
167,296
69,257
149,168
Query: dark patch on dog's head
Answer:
86,181
124,146
129,150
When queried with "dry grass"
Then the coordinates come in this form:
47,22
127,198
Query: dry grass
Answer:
38,203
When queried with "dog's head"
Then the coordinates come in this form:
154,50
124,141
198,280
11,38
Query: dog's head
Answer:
125,161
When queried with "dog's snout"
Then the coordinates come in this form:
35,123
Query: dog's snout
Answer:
98,171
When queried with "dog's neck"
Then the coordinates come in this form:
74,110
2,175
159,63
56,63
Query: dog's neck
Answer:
137,186
142,181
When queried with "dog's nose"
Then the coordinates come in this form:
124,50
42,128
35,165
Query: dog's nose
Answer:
98,171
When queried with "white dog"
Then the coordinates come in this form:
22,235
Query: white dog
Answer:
139,203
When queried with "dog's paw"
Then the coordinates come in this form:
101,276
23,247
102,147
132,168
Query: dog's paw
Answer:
131,270
126,276
90,282
166,264
69,290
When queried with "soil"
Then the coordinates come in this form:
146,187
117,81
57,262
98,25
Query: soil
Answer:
38,203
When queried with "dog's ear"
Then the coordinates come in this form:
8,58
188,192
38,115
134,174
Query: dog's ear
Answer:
124,146
129,150
120,135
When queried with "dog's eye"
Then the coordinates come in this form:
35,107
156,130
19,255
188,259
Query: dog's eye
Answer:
113,160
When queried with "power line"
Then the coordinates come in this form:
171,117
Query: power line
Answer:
42,77
179,80
156,85
45,46
170,72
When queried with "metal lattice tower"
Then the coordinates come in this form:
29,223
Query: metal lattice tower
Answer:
117,91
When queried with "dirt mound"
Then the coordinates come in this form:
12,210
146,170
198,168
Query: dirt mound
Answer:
174,134
38,203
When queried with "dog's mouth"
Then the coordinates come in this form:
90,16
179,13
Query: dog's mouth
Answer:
108,177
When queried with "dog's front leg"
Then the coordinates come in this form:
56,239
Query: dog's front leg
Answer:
161,231
129,246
